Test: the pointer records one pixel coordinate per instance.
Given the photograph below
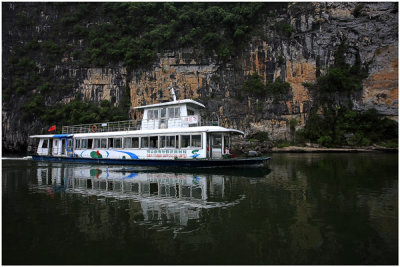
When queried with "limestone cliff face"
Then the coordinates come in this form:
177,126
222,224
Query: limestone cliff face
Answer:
301,54
318,30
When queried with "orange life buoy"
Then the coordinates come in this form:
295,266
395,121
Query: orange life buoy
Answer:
94,128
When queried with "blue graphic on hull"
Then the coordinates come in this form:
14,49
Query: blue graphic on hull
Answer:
130,176
130,154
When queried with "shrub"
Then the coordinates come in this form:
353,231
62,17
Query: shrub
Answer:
292,124
325,141
278,88
284,28
254,85
261,136
357,10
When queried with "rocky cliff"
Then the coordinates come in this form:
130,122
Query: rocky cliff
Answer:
300,53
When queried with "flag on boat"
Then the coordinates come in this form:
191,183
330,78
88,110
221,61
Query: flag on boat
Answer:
52,128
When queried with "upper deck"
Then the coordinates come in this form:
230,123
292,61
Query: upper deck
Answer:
174,114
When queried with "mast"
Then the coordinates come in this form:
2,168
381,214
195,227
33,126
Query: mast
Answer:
172,93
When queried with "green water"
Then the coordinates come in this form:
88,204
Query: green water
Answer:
305,209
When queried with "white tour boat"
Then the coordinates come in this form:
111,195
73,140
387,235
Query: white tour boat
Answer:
170,134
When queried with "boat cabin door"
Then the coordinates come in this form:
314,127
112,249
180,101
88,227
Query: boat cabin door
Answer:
215,146
62,146
218,145
69,147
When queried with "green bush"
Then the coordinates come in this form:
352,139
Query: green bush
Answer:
284,28
69,20
367,127
261,136
278,88
340,78
282,143
325,141
254,85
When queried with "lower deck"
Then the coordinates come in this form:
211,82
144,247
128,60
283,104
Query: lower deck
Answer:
167,146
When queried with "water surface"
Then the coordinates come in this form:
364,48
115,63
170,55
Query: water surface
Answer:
304,209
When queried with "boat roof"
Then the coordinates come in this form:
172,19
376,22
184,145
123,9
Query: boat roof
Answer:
51,136
188,130
184,101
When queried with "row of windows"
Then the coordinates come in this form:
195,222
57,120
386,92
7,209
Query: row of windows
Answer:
154,114
45,143
169,141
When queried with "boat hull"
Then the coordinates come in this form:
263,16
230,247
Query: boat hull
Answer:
161,163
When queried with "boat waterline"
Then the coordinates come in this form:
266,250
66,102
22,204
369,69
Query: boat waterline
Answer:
160,162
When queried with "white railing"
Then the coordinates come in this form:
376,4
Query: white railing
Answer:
131,125
102,127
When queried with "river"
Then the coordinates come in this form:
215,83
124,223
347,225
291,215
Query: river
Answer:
302,209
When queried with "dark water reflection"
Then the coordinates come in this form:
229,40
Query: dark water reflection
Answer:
307,209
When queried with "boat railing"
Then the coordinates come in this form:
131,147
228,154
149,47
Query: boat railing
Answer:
128,125
131,125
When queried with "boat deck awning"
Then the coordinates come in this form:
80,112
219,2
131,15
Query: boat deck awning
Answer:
52,136
170,131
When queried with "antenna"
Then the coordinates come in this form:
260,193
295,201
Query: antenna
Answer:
172,93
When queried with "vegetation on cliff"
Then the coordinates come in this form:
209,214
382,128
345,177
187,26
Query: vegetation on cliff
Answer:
103,34
332,120
134,32
255,86
336,127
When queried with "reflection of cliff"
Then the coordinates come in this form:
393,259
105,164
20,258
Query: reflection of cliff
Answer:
156,199
332,207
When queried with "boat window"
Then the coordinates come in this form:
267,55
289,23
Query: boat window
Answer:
190,112
96,143
216,140
227,142
103,143
185,141
77,143
117,142
131,142
196,140
168,141
163,113
89,143
55,142
152,114
69,143
110,142
153,141
100,143
114,142
84,143
127,142
45,143
135,142
171,112
174,112
144,142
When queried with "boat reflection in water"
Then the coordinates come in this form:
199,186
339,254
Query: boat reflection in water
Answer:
166,198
